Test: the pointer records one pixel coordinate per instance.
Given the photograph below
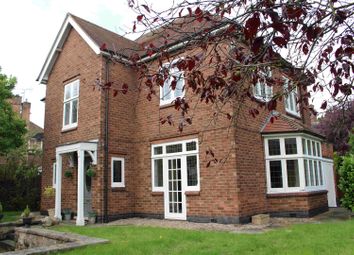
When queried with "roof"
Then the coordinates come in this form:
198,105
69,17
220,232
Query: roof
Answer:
280,123
95,36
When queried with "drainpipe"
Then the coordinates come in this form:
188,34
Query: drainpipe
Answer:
105,164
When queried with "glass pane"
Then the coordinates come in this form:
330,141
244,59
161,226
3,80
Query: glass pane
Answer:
293,173
192,174
158,173
316,173
117,171
166,93
318,150
174,148
290,146
67,92
67,113
304,146
75,89
314,149
179,85
158,150
306,169
312,177
291,102
74,111
192,146
309,149
274,147
321,174
276,178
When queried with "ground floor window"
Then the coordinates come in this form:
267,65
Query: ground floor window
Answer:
117,172
186,153
290,168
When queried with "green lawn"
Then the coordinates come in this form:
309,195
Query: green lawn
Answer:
10,216
325,238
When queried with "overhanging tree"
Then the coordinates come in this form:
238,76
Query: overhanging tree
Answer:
238,42
12,128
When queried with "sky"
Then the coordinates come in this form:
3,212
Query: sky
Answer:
28,30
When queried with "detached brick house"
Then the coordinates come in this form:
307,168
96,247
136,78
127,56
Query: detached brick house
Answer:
147,169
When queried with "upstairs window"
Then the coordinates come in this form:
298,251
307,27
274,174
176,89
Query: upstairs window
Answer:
261,90
173,85
291,105
71,103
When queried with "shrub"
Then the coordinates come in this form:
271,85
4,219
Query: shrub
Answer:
1,208
26,213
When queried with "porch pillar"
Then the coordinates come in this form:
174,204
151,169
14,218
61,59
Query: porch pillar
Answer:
58,186
80,221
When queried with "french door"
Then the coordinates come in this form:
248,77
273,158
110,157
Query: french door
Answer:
174,194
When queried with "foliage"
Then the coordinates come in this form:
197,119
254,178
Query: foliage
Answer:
336,125
10,216
1,209
91,172
229,46
12,128
26,213
346,173
297,239
68,173
49,192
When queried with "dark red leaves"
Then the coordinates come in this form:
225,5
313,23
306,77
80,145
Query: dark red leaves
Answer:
140,17
125,88
190,11
146,7
134,27
251,26
324,105
280,41
258,42
294,13
305,49
254,112
103,47
199,14
115,93
272,105
173,83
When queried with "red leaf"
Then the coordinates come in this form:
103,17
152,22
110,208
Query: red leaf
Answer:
140,17
324,105
305,49
155,19
190,11
258,42
103,47
134,27
146,7
251,26
199,14
280,41
115,93
180,13
272,105
124,88
208,164
228,115
173,83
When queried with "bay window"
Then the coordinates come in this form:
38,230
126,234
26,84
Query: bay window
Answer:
293,163
71,103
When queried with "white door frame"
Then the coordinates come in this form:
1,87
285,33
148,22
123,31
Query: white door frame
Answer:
330,182
168,214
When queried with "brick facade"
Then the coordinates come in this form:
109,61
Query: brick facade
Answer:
231,191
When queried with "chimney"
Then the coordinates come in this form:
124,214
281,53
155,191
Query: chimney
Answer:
26,111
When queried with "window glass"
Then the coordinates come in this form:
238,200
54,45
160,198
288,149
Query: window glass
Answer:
316,173
168,94
273,147
290,146
117,171
276,178
192,173
261,90
304,146
158,150
309,149
191,146
71,101
306,169
293,173
314,153
158,173
312,177
74,111
321,174
67,113
174,148
318,150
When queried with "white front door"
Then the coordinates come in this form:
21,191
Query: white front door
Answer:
175,198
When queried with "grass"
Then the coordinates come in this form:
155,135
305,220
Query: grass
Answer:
325,238
10,216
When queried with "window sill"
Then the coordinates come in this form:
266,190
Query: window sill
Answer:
164,106
297,194
118,189
293,115
68,129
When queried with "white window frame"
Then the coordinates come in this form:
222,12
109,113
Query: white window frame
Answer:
183,155
168,81
70,101
300,157
122,183
291,98
261,87
54,172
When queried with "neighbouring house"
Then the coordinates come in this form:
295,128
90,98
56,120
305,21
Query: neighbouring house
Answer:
146,169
